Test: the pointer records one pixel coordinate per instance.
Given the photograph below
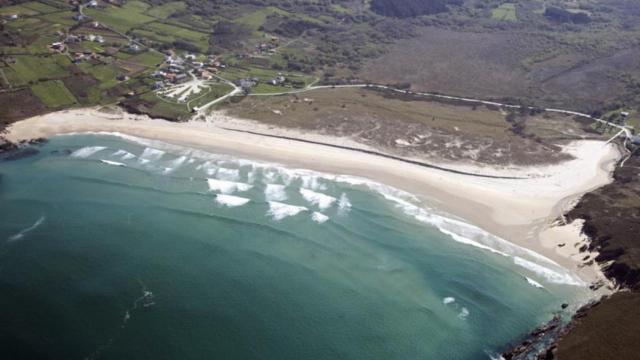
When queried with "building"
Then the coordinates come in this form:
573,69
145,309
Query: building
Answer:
277,80
181,78
133,47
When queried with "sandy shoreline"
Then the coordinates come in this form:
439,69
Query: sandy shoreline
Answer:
520,211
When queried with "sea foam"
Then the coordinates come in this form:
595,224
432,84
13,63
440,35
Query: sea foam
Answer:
448,300
274,192
279,211
123,154
230,200
151,154
174,164
464,313
548,274
87,151
534,283
227,187
457,230
113,163
228,174
23,232
319,217
321,200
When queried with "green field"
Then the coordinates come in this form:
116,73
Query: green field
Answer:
257,18
166,33
215,91
53,94
165,109
166,10
41,8
64,18
148,59
105,74
33,68
123,18
506,11
17,9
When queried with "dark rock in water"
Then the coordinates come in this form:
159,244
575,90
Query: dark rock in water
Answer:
531,344
61,152
21,153
565,305
6,146
36,141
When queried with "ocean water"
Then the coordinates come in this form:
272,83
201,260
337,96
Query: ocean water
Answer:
113,247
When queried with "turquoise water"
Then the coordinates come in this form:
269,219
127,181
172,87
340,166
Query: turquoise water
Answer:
118,249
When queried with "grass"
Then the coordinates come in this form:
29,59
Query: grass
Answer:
33,68
215,91
148,59
165,109
166,33
41,8
123,18
21,10
53,94
105,74
64,18
13,77
505,12
166,10
258,17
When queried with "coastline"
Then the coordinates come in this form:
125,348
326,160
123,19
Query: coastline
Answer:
520,211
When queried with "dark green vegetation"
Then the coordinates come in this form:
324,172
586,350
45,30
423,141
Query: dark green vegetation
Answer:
579,54
607,331
410,8
612,221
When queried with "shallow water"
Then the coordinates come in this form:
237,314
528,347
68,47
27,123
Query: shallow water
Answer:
122,248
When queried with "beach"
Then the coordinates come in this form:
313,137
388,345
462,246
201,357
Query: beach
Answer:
521,210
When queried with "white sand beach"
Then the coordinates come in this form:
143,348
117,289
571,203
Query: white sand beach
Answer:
521,211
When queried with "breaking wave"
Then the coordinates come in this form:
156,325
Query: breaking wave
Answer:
87,151
227,187
123,154
312,182
279,211
228,174
23,232
534,283
321,200
174,164
114,163
230,200
548,274
448,300
151,154
274,192
319,217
